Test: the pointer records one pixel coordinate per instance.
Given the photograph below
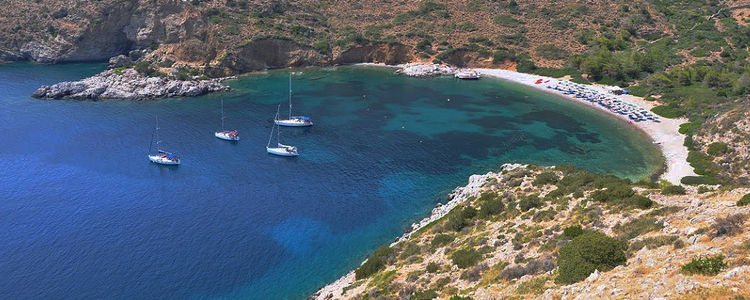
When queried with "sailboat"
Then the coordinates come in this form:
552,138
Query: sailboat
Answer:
161,157
229,135
280,149
293,121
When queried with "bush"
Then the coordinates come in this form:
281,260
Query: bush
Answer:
673,190
708,266
491,207
441,239
667,111
688,128
730,225
322,46
533,267
552,52
529,202
424,295
744,201
697,180
717,149
572,232
586,253
457,297
375,262
464,258
637,227
433,267
545,178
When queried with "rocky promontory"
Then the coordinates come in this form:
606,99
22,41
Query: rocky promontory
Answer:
128,84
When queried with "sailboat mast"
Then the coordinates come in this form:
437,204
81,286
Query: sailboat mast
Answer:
270,136
222,114
157,133
290,95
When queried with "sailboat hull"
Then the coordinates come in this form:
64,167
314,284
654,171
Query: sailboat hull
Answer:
225,135
282,152
294,123
160,159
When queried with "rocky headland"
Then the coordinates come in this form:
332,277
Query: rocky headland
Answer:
560,233
128,84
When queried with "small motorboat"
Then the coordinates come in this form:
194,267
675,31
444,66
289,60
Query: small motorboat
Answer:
467,75
292,121
161,157
280,149
229,135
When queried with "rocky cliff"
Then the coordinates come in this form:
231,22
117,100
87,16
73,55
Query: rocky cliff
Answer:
224,37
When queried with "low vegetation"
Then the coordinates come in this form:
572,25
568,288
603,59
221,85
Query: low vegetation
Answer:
708,266
586,253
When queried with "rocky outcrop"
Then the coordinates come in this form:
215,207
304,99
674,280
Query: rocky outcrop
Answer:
269,53
127,85
425,70
389,54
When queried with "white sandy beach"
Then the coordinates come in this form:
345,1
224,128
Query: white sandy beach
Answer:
664,133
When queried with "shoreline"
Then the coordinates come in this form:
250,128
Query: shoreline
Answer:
457,196
665,134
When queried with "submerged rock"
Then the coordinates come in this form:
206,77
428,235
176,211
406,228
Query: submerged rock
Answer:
127,85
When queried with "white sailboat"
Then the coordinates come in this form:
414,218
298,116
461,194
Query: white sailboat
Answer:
280,149
161,157
229,135
293,121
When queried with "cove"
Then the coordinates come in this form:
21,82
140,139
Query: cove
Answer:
87,216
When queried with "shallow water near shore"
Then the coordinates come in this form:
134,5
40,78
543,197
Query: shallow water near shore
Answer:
86,216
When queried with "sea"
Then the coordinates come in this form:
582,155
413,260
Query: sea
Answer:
85,215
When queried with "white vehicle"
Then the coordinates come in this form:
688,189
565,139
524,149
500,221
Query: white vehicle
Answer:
229,135
161,157
280,149
292,121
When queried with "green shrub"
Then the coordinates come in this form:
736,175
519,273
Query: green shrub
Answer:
457,297
545,178
441,239
409,250
491,207
464,258
375,262
586,253
673,190
370,267
667,111
689,128
717,149
572,231
433,267
424,295
744,201
708,266
529,202
322,46
638,226
697,180
552,52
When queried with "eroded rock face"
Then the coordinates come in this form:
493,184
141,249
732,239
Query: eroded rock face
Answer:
390,54
128,85
270,53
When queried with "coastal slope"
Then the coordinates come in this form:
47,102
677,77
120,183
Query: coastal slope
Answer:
511,234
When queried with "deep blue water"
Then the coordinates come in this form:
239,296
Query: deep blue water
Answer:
84,215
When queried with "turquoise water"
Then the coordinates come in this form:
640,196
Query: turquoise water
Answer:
86,216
